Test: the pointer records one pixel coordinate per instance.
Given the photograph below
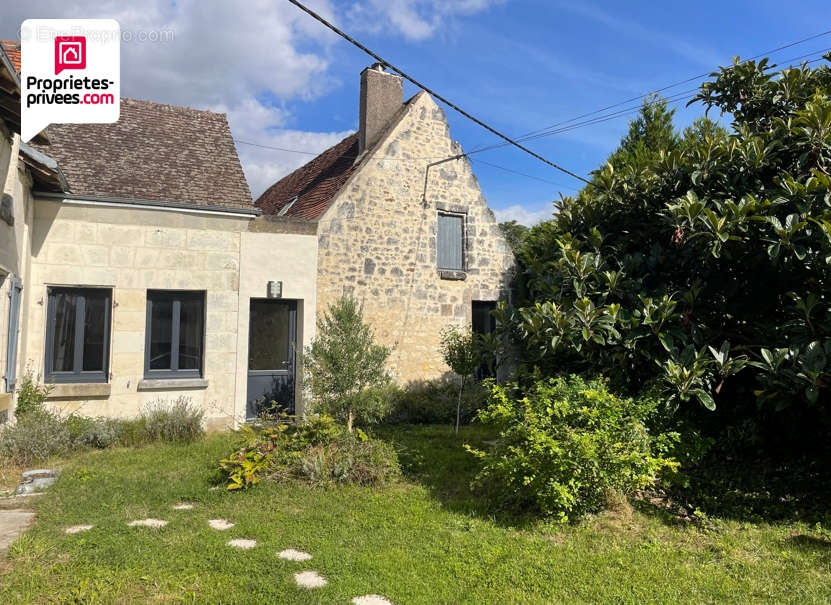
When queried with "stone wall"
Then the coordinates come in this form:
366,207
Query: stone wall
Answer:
377,241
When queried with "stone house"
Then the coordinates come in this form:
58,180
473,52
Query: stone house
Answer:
402,225
135,268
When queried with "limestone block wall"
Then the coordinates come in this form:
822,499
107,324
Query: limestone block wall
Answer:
377,241
131,251
14,245
268,252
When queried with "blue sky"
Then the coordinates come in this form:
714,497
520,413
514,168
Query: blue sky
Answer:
518,65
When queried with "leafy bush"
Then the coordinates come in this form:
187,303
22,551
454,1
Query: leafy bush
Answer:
566,446
701,263
31,395
97,433
433,402
179,422
316,451
345,368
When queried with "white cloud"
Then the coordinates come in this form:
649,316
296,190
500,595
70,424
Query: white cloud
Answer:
415,19
229,57
523,215
691,51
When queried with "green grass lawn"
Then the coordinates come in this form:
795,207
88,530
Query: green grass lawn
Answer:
425,540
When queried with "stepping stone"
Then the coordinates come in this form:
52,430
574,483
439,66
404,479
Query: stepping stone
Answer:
147,523
77,529
371,599
220,524
309,579
241,543
12,524
36,481
294,555
183,506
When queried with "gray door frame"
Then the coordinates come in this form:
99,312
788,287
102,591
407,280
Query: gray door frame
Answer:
258,382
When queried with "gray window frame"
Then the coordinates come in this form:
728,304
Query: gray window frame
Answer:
463,219
78,374
176,297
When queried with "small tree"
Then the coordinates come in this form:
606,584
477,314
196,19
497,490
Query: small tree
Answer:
344,367
460,349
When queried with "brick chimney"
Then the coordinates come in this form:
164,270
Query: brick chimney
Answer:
381,98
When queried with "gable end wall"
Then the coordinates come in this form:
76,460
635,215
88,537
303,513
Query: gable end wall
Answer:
377,242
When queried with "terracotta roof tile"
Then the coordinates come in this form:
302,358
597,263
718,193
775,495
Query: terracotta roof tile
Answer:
314,184
12,49
154,152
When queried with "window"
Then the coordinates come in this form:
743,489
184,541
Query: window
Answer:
174,335
77,334
449,242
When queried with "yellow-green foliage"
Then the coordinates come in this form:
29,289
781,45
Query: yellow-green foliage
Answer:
566,446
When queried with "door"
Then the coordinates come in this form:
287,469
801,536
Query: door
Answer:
484,323
272,336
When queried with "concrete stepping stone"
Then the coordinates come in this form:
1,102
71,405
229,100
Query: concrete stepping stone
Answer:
294,555
36,481
242,543
309,579
77,529
147,523
220,524
12,524
183,506
371,599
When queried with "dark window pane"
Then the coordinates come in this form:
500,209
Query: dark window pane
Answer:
95,332
161,334
269,336
63,344
449,242
190,334
483,321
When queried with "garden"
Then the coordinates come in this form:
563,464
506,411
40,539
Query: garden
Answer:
658,431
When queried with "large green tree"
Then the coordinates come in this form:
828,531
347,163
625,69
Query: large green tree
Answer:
704,264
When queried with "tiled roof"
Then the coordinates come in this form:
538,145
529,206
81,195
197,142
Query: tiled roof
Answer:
314,184
12,49
154,152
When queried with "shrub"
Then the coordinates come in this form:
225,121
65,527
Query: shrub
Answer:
98,433
179,422
37,435
31,395
567,446
316,451
433,402
345,368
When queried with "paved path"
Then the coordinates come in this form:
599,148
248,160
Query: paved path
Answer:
12,524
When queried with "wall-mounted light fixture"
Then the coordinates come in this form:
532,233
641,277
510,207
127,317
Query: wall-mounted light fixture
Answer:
275,289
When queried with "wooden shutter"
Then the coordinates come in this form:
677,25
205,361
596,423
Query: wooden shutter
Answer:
449,242
14,322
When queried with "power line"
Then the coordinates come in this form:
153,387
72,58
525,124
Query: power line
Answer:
436,95
680,82
677,97
528,176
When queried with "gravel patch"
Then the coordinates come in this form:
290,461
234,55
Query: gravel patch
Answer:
220,524
242,543
294,555
371,599
147,523
309,579
77,529
183,506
